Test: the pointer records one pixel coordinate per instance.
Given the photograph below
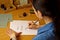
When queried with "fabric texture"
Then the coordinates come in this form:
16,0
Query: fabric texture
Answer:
46,32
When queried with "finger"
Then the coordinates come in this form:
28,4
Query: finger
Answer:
31,23
20,33
8,33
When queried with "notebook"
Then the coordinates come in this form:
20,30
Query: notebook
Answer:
22,26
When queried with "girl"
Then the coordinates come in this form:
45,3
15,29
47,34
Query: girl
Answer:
49,11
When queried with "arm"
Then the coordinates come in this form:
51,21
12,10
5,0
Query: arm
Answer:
40,37
45,36
13,35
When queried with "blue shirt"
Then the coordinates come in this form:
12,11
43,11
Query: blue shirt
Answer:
45,33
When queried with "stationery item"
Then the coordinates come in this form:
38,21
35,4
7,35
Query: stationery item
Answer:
21,26
35,21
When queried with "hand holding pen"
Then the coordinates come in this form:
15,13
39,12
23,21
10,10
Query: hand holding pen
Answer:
33,25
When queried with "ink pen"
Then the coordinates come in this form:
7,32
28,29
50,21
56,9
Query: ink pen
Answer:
34,22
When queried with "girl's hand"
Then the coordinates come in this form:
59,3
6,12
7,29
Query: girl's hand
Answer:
32,25
11,33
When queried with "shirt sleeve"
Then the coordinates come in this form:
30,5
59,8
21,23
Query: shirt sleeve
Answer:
45,36
40,37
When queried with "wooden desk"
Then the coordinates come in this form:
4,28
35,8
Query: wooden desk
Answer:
15,13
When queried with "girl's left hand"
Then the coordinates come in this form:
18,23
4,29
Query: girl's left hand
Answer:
11,33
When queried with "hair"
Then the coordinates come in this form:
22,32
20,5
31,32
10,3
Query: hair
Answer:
50,8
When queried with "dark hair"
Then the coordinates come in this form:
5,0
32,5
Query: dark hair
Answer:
50,8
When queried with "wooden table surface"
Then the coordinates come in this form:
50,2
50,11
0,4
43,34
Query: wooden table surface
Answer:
16,16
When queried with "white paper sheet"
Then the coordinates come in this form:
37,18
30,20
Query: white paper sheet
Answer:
22,26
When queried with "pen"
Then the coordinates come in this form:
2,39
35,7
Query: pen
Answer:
35,22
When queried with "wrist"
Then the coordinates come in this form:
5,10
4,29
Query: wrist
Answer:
12,35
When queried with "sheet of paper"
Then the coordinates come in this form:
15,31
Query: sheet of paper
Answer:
22,26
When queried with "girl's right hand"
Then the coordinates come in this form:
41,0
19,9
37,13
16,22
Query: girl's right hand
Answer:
32,25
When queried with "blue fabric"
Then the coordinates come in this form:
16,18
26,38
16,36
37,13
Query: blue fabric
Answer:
46,32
